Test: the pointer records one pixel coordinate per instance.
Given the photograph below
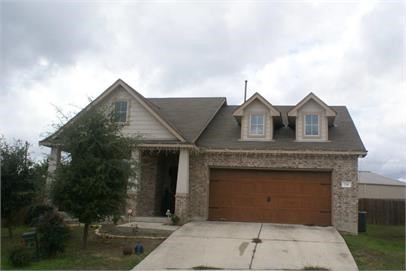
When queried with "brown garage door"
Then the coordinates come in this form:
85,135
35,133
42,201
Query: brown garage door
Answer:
292,197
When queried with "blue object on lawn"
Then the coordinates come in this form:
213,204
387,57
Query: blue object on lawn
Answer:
139,248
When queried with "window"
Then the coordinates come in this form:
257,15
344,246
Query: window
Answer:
257,124
311,125
120,111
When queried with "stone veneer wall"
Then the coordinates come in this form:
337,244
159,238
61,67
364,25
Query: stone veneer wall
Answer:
181,207
343,167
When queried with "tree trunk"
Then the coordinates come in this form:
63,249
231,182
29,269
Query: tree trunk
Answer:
85,233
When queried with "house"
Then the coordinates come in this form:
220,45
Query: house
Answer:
374,186
206,160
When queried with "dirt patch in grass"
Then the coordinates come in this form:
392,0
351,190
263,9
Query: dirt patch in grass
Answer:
101,254
382,247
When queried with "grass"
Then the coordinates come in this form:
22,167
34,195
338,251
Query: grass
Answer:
100,254
382,247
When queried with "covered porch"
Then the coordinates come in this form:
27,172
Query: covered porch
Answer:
162,181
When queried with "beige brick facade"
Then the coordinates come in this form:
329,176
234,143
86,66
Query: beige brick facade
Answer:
195,206
343,168
146,203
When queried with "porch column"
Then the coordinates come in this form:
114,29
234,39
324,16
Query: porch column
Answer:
54,159
182,186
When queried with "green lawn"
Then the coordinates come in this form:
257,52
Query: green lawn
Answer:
382,247
100,254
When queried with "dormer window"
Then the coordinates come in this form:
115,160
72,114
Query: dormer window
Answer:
256,119
120,111
257,124
311,119
312,125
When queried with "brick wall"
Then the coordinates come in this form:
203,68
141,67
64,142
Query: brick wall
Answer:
343,167
146,192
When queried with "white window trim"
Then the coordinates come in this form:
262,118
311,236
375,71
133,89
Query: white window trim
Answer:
249,124
318,124
127,113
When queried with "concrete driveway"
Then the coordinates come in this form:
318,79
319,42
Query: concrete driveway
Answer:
229,245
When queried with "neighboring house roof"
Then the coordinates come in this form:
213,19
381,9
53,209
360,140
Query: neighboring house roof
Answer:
190,115
224,133
368,177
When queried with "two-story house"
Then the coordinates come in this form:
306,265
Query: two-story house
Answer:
206,160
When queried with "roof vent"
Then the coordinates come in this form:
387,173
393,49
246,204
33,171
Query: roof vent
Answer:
245,91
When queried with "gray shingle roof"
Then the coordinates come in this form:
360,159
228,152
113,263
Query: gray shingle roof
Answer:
209,122
189,115
224,133
367,177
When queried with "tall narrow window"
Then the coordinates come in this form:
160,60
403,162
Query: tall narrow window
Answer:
312,125
120,111
257,124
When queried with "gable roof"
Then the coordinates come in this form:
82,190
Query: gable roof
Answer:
311,96
224,133
239,111
143,101
368,177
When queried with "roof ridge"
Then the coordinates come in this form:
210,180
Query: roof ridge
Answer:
217,97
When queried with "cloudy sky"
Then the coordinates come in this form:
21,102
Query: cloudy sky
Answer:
60,53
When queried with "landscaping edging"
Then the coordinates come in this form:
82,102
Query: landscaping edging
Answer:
112,236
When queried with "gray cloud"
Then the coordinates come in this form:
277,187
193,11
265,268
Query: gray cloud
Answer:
383,38
54,31
61,52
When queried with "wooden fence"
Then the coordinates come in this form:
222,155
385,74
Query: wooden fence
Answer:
383,211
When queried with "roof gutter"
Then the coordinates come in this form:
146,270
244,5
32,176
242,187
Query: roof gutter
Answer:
358,153
167,146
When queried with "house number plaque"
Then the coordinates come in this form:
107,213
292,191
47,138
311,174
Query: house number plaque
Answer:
345,184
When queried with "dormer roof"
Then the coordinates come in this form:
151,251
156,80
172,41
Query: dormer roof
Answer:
311,96
239,111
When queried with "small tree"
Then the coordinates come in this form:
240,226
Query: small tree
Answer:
16,180
92,182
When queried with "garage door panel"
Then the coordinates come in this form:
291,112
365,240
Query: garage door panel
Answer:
270,196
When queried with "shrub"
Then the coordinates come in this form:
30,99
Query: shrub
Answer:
36,211
116,218
53,233
20,256
175,219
